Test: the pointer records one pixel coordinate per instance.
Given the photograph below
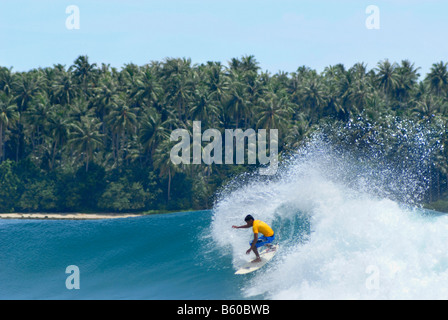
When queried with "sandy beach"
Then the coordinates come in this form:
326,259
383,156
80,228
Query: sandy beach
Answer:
65,216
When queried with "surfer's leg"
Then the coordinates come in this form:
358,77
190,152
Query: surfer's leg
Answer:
258,259
260,242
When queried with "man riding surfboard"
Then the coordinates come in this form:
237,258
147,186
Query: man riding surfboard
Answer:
258,226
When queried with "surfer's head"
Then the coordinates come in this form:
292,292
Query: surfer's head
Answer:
249,219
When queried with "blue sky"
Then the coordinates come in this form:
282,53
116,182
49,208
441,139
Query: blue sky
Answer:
282,34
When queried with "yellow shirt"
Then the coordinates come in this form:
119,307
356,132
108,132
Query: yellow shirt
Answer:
260,226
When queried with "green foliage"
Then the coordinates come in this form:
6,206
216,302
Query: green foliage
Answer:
9,187
90,185
122,196
89,137
38,196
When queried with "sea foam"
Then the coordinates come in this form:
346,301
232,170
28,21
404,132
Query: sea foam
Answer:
349,228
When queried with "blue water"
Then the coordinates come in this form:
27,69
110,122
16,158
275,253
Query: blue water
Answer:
328,254
155,257
346,231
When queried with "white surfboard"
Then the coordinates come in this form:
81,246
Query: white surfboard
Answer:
265,256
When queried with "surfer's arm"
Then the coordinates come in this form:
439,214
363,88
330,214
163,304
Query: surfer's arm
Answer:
247,226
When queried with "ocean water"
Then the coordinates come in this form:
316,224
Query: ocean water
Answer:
154,257
175,256
347,229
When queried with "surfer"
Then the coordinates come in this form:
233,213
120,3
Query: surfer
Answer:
258,226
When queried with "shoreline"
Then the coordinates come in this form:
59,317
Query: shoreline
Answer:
66,216
83,216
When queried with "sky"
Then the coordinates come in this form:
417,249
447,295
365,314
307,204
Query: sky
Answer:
282,34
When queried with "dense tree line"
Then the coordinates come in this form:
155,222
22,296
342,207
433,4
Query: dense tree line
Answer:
94,138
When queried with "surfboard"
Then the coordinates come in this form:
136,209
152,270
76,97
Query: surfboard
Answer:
265,256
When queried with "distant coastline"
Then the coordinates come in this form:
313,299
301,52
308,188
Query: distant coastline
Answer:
81,216
66,216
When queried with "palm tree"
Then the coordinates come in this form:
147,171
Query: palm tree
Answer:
163,163
333,105
336,83
406,84
274,112
58,127
128,76
153,131
296,133
216,80
177,77
85,138
387,77
36,118
79,108
428,106
146,89
6,80
249,64
8,115
346,85
64,88
106,93
123,122
26,87
313,95
237,105
84,71
203,107
408,77
359,92
438,78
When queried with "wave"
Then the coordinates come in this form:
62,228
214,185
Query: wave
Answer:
349,227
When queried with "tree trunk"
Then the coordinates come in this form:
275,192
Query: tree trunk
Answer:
54,154
1,141
169,184
118,148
